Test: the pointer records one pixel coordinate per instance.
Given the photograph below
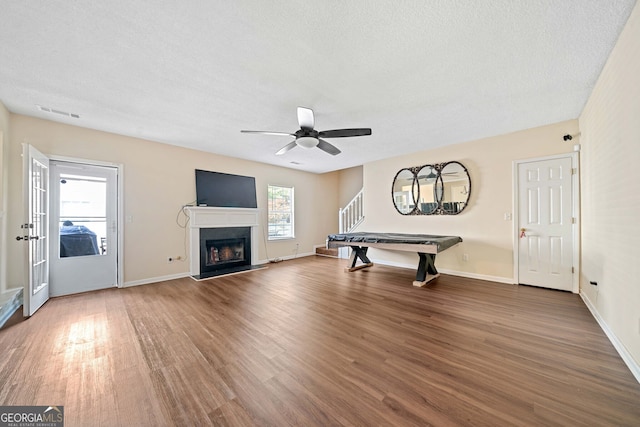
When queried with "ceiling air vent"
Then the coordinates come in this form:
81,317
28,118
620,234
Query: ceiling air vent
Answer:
62,113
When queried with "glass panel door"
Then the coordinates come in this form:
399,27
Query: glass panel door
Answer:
84,225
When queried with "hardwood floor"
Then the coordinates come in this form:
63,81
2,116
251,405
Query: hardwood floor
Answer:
304,343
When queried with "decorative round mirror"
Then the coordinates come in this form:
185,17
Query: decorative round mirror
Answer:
456,188
403,191
440,189
426,186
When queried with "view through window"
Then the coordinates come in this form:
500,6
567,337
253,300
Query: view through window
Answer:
280,212
83,223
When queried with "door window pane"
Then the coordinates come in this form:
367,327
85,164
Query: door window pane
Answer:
83,210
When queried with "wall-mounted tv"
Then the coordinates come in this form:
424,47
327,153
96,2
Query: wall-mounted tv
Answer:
225,190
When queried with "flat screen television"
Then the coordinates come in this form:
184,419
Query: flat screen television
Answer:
225,190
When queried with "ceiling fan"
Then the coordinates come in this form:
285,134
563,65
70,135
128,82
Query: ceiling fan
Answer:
432,175
308,137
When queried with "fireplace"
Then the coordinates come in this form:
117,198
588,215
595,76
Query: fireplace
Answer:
222,240
224,248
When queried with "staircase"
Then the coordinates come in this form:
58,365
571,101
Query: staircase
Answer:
349,218
10,302
352,214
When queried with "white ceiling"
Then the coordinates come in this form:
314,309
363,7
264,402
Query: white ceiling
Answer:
194,73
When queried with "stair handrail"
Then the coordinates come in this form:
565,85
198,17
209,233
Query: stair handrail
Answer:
352,214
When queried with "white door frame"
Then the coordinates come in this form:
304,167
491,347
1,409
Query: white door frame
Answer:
120,212
575,202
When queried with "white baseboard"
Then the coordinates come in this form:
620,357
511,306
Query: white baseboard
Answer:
285,258
187,274
155,279
468,275
620,348
505,280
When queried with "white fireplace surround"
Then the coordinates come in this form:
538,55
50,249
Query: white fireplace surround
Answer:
209,217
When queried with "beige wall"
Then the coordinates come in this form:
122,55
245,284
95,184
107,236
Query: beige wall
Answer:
350,182
4,170
487,236
610,160
158,180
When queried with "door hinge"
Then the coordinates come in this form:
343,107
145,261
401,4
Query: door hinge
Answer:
573,220
574,171
573,270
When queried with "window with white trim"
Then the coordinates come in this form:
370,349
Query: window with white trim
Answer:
280,212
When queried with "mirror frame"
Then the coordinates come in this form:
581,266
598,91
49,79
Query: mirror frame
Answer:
413,191
439,187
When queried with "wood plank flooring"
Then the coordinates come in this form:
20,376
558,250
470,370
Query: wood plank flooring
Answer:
304,343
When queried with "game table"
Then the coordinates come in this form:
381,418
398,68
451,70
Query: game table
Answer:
425,245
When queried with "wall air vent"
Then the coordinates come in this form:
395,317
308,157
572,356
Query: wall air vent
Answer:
62,113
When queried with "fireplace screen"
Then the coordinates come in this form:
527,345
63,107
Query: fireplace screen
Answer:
224,248
225,251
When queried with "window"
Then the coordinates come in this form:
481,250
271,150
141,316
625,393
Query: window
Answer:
280,212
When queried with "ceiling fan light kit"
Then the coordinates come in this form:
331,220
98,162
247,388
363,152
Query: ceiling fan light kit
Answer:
307,141
308,137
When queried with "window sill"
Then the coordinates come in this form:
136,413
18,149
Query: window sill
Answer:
277,239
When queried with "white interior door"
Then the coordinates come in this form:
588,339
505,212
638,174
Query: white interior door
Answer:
545,223
84,227
35,228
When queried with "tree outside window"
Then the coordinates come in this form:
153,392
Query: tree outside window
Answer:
280,212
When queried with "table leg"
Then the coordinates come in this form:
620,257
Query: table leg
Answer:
358,252
426,269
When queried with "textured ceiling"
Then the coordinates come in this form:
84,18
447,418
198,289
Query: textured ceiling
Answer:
194,73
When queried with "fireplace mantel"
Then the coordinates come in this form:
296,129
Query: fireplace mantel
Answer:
211,217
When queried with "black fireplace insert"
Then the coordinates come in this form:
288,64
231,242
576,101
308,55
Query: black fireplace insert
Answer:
224,249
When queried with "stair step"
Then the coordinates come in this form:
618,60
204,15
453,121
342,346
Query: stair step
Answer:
327,252
10,302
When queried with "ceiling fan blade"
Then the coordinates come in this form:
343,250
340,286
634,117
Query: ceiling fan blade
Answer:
286,148
305,118
429,176
328,148
266,132
341,133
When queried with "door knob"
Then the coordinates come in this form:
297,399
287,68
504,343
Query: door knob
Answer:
18,238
